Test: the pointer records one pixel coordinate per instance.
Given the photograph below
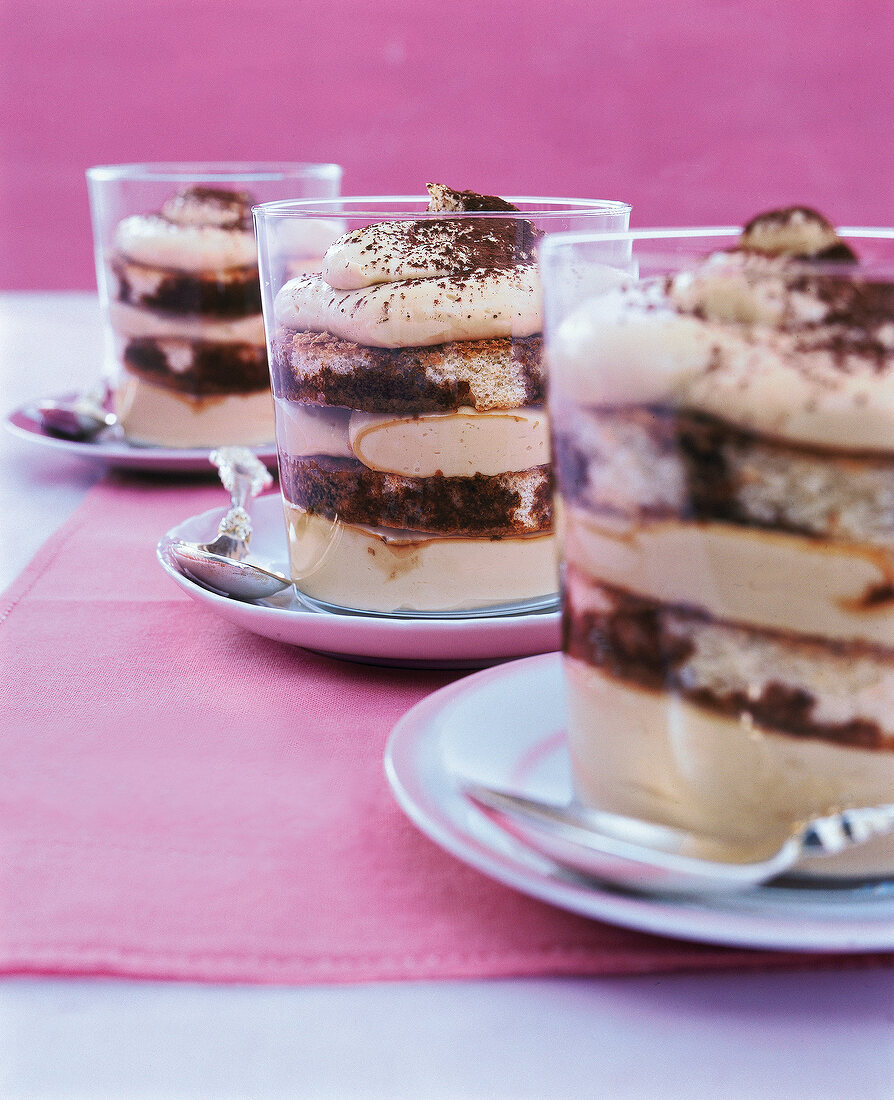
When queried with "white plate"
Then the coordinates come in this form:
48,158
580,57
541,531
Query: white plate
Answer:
388,640
112,450
505,727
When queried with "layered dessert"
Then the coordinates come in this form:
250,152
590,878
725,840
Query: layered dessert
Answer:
413,444
724,441
185,308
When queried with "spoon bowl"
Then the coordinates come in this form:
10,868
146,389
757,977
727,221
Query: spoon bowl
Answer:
242,580
80,419
655,859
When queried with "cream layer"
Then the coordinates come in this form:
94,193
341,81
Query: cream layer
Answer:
304,430
165,418
418,312
455,444
156,241
765,579
652,755
814,385
374,569
136,323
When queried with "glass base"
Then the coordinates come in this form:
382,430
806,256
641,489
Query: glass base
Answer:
541,605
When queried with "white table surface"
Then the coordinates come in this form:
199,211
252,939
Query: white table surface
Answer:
776,1035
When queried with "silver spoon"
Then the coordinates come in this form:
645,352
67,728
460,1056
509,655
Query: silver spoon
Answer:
219,564
654,859
241,580
80,419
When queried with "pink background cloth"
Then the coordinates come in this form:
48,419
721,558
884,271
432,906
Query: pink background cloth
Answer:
695,112
182,799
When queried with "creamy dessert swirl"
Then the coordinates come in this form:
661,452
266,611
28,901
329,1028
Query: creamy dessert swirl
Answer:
482,305
198,229
442,247
807,359
423,282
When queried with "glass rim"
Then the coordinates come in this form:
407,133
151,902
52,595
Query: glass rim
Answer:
184,171
371,206
562,240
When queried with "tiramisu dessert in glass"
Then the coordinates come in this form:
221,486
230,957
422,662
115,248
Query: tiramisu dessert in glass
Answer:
408,377
178,277
722,408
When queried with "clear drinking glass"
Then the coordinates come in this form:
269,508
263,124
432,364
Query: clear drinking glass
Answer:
723,448
177,272
407,376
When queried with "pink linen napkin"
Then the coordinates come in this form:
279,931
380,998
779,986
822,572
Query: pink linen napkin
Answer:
182,799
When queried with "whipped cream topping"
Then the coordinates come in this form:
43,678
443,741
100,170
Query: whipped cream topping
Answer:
151,239
483,305
209,206
391,251
807,358
198,229
424,281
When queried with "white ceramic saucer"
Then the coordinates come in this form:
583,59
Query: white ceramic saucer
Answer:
424,642
505,727
111,449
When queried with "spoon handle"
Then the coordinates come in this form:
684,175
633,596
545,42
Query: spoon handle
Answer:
243,475
828,835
